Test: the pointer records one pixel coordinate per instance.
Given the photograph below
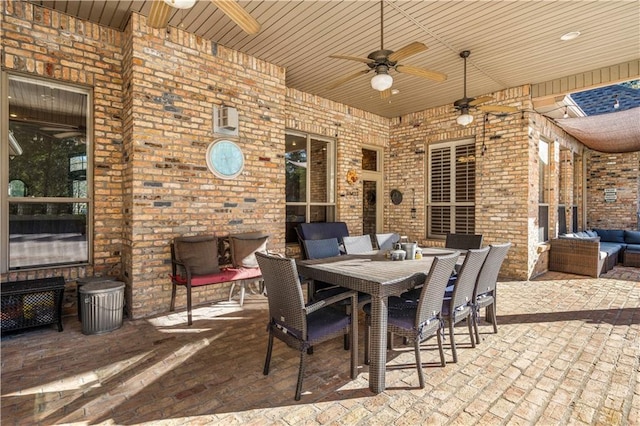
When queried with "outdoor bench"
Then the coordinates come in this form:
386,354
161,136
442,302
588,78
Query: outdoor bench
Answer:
209,260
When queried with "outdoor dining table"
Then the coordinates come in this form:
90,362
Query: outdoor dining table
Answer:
379,276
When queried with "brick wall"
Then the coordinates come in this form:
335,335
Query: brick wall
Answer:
174,80
44,43
502,173
154,93
352,129
613,171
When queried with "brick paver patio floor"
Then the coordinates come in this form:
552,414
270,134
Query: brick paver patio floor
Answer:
567,352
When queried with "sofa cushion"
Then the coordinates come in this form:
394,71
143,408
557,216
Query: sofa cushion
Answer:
591,233
633,247
611,235
610,248
578,237
632,237
582,234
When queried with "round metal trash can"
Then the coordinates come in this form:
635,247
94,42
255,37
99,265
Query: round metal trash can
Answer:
84,281
102,306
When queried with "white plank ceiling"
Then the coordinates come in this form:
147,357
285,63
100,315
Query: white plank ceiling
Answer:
511,42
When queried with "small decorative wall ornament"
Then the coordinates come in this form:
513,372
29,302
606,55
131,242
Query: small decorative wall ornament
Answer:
352,177
225,159
396,196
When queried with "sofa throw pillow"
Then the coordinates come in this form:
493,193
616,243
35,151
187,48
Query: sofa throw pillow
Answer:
591,233
610,235
199,253
632,237
244,248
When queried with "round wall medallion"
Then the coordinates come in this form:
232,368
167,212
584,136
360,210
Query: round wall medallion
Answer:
225,159
396,196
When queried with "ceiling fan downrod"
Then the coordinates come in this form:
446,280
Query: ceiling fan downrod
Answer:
381,25
464,55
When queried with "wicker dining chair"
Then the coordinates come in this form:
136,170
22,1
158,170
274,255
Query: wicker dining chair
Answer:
460,306
463,241
387,241
357,244
318,290
298,325
484,293
418,320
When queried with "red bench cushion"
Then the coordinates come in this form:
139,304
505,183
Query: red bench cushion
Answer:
224,276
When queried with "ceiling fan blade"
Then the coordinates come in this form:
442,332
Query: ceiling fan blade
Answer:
421,72
238,15
62,128
346,78
65,135
497,108
480,100
385,94
352,58
159,14
409,50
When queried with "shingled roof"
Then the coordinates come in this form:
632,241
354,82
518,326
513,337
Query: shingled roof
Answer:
605,126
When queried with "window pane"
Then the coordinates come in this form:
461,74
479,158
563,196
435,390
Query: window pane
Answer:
47,139
319,166
296,168
295,215
322,214
369,160
47,234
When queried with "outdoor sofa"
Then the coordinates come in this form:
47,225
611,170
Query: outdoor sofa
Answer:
592,252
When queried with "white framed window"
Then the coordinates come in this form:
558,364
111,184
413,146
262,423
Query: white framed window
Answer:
46,165
310,170
451,188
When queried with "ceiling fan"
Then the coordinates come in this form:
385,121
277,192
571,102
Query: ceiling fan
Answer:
161,9
463,105
381,61
64,132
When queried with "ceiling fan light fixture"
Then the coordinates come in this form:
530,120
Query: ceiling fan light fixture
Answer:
181,4
381,82
464,119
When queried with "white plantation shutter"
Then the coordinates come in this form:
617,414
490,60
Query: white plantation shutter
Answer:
452,188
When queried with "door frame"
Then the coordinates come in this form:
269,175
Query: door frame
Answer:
376,176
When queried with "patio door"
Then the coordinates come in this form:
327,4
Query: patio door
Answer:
371,190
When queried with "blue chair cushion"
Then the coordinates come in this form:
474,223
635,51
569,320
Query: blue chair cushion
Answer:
633,247
320,249
323,230
326,321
